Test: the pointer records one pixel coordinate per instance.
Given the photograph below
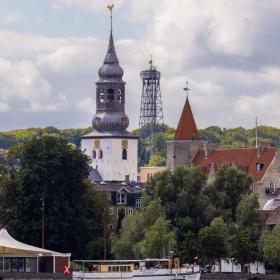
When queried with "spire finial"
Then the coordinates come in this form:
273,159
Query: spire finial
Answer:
110,7
151,61
187,89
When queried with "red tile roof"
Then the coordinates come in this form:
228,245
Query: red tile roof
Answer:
245,159
187,129
273,217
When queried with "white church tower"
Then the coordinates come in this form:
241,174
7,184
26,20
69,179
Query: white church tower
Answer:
112,148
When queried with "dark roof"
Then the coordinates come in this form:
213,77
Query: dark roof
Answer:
118,186
109,134
95,176
244,158
187,127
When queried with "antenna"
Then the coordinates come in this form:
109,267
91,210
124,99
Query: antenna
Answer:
257,133
151,62
110,7
187,89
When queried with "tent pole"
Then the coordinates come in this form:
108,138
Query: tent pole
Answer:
53,264
3,264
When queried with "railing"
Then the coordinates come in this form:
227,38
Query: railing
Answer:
272,191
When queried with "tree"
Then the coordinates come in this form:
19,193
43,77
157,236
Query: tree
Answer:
157,160
270,245
228,188
145,234
158,240
213,241
180,194
244,250
51,170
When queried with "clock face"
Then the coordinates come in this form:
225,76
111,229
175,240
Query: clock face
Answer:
96,144
124,144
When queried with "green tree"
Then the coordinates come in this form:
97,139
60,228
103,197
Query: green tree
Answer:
144,234
180,193
270,245
228,188
244,250
214,241
50,169
157,160
158,240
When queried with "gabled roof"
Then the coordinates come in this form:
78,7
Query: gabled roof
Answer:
187,129
245,159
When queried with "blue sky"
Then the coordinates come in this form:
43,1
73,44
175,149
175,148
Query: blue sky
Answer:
50,52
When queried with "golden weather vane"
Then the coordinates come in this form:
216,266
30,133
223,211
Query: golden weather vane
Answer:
110,7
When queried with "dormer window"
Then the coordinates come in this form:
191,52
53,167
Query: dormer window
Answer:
93,154
124,154
121,198
100,154
259,166
111,95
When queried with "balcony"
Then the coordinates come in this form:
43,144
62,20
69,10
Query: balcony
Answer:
272,191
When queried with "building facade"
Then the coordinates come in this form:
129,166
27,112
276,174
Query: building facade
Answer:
262,163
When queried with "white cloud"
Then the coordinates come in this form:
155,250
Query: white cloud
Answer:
265,106
12,16
227,50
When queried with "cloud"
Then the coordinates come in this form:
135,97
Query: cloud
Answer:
264,106
12,16
228,51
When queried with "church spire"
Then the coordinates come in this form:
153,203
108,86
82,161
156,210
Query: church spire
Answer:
187,129
110,91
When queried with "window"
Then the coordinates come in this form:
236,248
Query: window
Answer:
193,136
120,213
93,154
100,154
121,198
272,185
124,154
120,95
111,95
111,210
138,203
259,166
130,211
102,96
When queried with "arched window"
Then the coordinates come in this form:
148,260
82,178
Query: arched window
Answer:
111,95
102,96
100,154
124,154
93,154
120,96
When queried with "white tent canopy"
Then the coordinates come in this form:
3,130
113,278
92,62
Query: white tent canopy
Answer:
11,247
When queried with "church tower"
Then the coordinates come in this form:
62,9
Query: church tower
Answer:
186,143
112,148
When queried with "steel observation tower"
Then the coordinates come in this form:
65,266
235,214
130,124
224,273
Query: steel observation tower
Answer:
151,114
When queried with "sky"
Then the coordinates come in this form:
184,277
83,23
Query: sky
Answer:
228,51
